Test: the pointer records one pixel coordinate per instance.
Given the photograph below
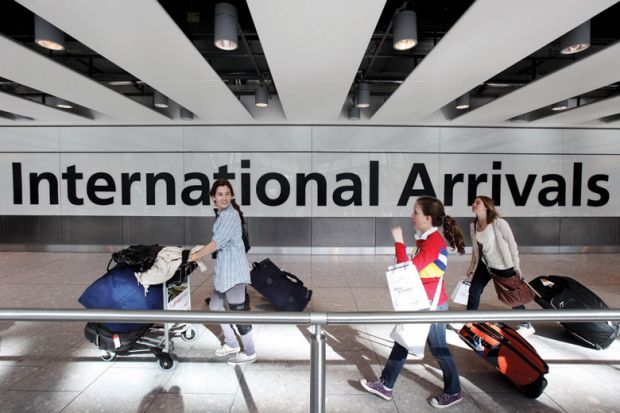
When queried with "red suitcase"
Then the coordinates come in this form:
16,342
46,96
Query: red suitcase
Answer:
510,354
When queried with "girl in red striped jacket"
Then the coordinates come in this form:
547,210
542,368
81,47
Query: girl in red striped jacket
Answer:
430,259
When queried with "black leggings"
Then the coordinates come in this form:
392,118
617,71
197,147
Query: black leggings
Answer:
481,278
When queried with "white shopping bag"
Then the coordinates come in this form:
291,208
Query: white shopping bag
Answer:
412,337
406,288
408,294
460,295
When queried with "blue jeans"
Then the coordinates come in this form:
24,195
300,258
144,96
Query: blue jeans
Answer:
439,349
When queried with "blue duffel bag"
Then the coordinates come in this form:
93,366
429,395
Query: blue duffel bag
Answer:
119,289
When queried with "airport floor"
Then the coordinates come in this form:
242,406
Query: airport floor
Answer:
50,367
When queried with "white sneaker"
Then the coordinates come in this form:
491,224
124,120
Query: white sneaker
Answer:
226,350
240,359
526,330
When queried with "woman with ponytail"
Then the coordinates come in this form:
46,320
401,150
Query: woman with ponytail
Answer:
231,273
430,259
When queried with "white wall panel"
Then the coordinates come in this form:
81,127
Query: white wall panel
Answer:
497,140
364,139
247,138
121,139
28,139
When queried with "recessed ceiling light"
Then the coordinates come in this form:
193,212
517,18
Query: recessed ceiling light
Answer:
120,82
577,40
225,26
63,104
463,102
362,99
354,113
563,105
261,97
48,36
159,100
405,30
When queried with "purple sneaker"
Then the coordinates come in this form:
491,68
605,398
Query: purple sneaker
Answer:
377,388
446,400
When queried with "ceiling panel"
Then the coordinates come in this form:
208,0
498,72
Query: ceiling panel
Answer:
491,36
314,49
140,37
23,65
590,73
37,111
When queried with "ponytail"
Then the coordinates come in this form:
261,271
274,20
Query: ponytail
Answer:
453,234
236,206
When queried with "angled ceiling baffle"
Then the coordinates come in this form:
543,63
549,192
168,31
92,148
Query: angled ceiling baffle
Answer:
25,107
140,37
25,66
314,49
488,38
590,73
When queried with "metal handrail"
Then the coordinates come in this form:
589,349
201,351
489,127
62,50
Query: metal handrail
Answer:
317,319
305,318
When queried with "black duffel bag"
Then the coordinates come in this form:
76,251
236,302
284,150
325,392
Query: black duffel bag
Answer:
137,257
284,290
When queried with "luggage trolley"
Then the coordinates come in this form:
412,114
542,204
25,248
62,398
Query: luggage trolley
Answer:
155,338
176,296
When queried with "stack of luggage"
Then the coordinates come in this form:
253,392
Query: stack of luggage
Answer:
119,288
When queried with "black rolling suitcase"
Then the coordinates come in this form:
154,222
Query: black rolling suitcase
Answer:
510,354
285,291
558,292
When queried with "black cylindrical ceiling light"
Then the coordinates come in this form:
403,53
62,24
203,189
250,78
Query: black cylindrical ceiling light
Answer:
159,100
363,95
261,97
186,114
463,102
405,30
577,40
225,26
48,36
63,104
561,105
354,113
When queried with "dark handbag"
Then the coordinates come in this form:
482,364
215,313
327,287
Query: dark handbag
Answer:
137,257
513,290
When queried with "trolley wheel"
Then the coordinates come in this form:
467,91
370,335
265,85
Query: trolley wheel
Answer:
166,362
108,356
189,335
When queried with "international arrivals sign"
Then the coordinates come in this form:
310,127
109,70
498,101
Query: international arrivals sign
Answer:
306,183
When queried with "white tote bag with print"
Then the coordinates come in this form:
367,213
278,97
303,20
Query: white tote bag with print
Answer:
460,295
406,288
413,336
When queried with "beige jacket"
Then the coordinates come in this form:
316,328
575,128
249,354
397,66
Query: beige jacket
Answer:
506,245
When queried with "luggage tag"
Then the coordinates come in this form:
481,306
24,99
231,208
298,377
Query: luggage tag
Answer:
117,340
547,283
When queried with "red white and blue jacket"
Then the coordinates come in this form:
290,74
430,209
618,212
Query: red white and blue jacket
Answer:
430,259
